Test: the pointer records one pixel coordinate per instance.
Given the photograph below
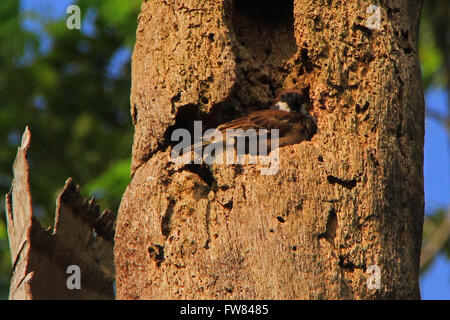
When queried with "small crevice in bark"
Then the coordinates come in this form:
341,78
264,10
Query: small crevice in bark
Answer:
229,290
374,159
281,219
244,192
238,169
318,23
348,184
365,30
345,264
176,98
207,222
407,50
405,35
156,253
308,65
392,11
365,58
339,89
332,200
401,84
362,109
228,205
348,265
400,135
165,222
330,231
134,114
203,172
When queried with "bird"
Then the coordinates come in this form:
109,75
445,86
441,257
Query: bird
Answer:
288,113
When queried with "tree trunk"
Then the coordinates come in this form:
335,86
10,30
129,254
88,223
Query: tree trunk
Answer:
341,219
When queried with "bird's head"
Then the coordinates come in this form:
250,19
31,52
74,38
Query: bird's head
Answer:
291,101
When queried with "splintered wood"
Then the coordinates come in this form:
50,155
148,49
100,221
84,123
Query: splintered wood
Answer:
45,262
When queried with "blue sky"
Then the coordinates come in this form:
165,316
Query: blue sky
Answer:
435,284
437,155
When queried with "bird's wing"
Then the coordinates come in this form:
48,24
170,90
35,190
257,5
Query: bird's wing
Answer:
258,120
265,119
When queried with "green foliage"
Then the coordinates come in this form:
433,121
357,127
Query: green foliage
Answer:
433,225
433,222
433,42
430,56
5,262
120,14
434,51
78,112
108,187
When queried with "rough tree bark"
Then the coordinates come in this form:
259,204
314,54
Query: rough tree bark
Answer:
349,199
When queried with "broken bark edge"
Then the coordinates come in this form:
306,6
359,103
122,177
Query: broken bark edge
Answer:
82,236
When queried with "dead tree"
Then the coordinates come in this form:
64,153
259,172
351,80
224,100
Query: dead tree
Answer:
343,210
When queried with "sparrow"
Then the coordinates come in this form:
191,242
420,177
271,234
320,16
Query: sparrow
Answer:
288,114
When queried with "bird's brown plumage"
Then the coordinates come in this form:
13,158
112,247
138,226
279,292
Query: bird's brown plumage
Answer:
293,127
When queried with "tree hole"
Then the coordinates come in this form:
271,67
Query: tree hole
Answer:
264,31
